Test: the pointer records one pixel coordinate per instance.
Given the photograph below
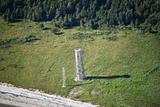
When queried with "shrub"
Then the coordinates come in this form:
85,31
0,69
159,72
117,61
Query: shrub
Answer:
41,26
56,31
111,37
29,38
82,37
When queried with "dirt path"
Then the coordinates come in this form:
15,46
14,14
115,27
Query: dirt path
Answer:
20,97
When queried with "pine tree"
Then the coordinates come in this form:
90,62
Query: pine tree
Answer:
139,13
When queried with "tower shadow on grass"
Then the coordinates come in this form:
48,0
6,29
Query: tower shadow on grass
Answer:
106,77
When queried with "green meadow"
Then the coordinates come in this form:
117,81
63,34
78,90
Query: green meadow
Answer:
122,65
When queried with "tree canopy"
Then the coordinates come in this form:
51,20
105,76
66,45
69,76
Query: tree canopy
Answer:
144,14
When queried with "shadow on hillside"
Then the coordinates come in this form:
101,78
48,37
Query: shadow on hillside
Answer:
16,20
106,77
46,28
81,83
5,105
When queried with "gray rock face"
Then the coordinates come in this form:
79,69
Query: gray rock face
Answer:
25,98
95,93
76,92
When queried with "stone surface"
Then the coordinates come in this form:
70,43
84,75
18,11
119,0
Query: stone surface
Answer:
95,93
76,92
20,97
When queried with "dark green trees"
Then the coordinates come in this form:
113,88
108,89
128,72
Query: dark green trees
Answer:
144,14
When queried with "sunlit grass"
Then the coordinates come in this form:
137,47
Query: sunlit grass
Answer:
39,64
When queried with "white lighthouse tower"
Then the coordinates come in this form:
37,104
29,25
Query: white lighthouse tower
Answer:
79,65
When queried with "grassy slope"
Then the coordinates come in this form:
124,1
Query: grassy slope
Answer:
38,64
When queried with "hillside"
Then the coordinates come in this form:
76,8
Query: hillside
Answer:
122,65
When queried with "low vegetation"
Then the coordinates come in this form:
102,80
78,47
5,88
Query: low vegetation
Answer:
21,40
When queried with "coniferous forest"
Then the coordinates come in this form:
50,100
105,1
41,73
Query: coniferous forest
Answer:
143,14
